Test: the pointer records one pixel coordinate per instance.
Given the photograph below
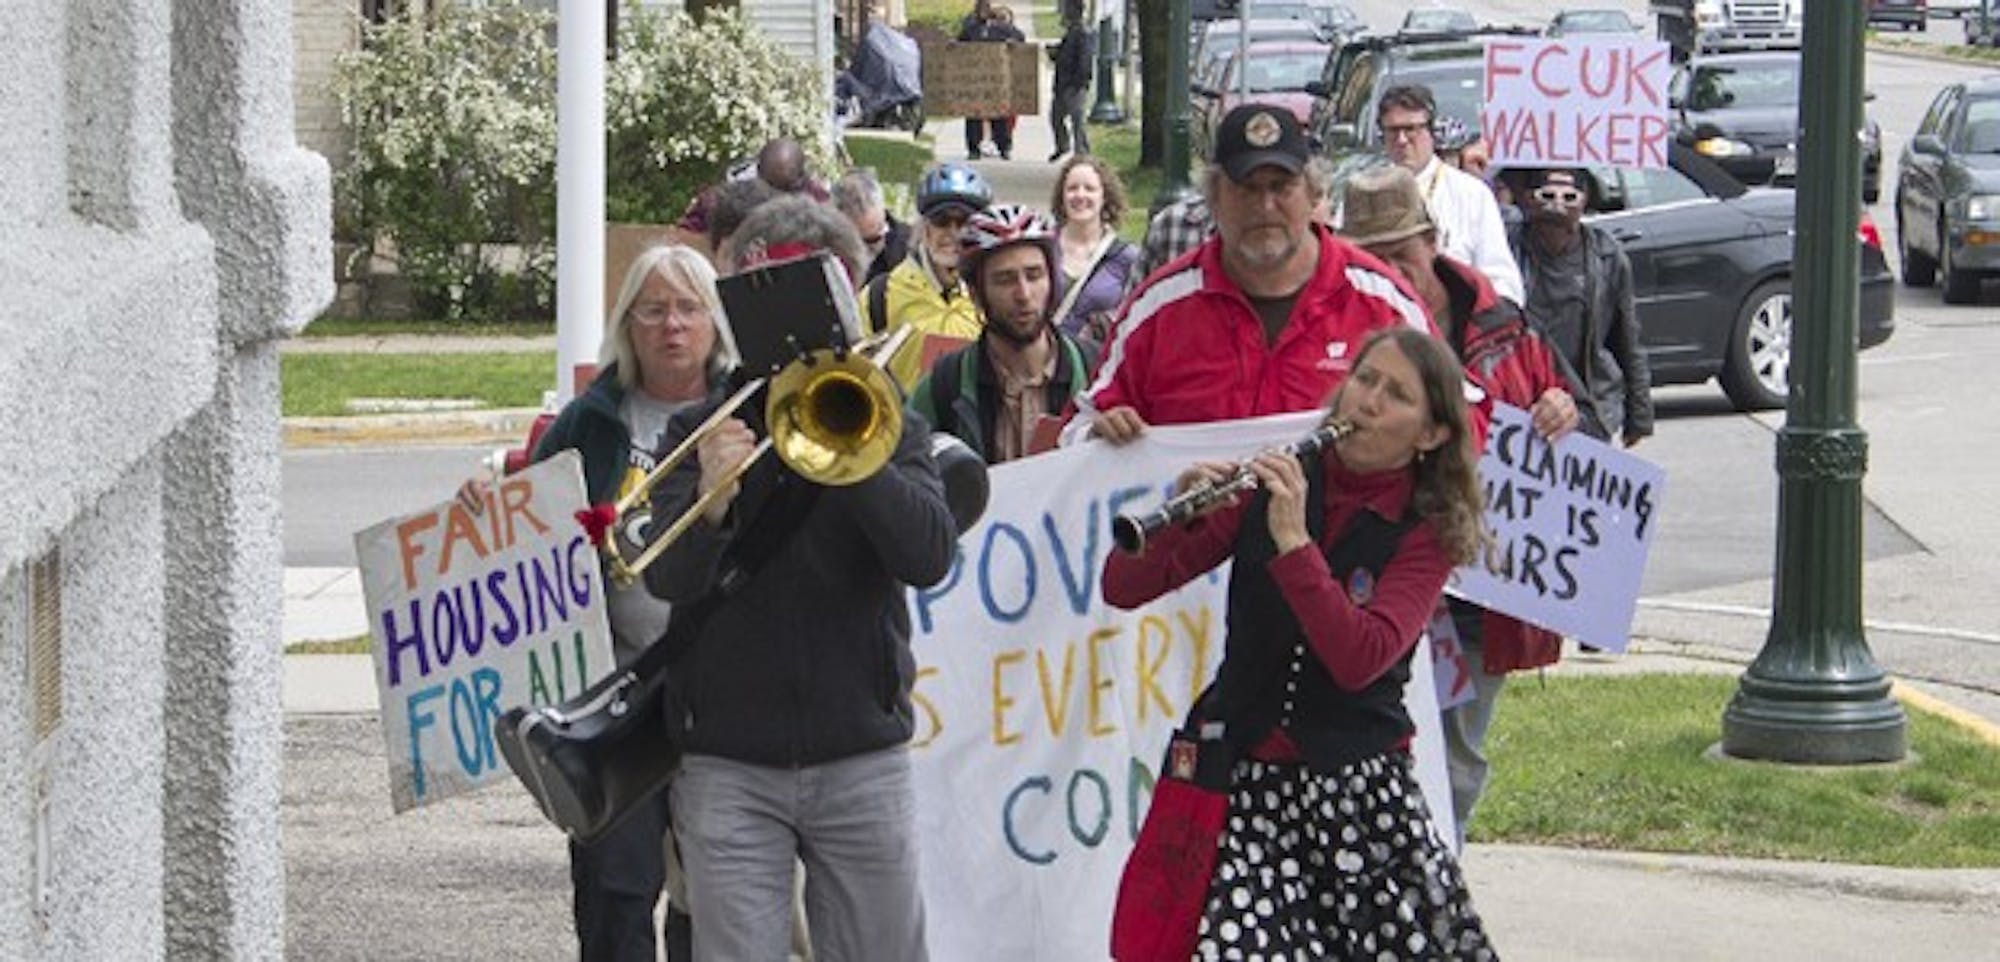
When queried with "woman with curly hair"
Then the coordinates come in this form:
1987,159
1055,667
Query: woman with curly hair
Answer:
1088,202
1328,849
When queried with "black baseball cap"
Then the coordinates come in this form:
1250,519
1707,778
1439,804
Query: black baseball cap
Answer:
1260,135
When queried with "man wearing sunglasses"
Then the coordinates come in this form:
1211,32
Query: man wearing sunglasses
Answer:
1469,227
1580,295
925,291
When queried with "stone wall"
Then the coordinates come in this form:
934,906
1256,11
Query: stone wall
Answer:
160,230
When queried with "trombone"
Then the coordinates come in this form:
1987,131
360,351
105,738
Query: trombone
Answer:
834,416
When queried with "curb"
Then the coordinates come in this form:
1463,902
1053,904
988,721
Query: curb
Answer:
1934,54
1967,888
492,426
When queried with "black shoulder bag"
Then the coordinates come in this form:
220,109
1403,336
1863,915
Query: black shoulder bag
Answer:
591,760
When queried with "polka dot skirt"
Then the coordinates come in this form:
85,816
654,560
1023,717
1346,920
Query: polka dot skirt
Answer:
1341,866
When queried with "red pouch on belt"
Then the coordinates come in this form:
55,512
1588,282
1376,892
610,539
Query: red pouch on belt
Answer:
1166,879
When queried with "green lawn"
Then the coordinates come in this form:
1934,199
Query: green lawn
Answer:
896,160
321,384
1119,146
1617,762
375,327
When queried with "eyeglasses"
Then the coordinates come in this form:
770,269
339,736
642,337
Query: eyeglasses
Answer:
654,315
875,241
1395,131
1566,196
947,220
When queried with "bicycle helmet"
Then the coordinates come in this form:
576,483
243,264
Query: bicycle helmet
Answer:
952,185
1004,225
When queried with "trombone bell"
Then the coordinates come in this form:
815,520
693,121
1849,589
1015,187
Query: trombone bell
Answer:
835,420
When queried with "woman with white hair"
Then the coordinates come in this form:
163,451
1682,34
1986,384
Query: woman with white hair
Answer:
664,346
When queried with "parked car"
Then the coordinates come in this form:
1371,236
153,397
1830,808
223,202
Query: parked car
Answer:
1982,24
1277,73
1439,20
1741,110
1904,15
1712,268
1948,192
1352,82
1573,23
1220,38
1952,9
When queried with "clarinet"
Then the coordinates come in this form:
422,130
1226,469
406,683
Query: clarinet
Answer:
1130,531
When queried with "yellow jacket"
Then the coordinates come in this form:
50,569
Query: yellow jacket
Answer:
911,296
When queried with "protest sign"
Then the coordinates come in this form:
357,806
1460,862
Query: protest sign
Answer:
475,613
1042,713
1593,102
981,79
1572,523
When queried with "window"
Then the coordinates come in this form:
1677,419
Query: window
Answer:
1981,133
1639,188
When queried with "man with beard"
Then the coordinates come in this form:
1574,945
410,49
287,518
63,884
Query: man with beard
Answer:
1580,296
1264,317
991,394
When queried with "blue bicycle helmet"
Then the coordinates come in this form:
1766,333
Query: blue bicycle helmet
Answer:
952,185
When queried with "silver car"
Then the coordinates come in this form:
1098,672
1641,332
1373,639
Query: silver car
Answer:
1948,192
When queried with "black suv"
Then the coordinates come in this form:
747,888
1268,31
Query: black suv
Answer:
1356,75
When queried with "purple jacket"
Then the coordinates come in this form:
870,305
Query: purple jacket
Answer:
1096,306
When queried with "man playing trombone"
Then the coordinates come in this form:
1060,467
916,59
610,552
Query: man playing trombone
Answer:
798,670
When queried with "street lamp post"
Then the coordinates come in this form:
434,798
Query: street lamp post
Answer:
1815,695
1175,185
1105,110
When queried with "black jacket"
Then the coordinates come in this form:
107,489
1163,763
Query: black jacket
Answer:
1619,382
1268,679
807,660
1073,56
895,248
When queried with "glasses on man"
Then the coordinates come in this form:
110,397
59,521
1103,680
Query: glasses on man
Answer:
1400,131
951,220
876,240
1558,194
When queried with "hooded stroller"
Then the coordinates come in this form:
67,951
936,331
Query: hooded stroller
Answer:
884,85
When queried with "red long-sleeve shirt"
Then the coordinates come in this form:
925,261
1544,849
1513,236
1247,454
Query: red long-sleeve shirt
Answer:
1356,642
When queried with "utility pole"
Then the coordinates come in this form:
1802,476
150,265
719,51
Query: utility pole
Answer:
1815,695
1106,110
1175,186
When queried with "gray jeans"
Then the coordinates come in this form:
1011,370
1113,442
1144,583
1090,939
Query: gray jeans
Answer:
1066,115
1465,739
851,822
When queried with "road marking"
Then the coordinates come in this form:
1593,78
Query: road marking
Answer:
1985,730
1876,361
1749,611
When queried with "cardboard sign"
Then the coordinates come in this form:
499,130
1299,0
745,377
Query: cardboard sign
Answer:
1572,523
1576,103
982,79
1042,713
475,613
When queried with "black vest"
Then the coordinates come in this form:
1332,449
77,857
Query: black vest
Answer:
1269,675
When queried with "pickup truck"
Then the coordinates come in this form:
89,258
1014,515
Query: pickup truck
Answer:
1702,26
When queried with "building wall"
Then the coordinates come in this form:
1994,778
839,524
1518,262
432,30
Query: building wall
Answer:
322,30
159,231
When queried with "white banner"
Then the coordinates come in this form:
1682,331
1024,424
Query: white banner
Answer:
1572,525
473,614
1598,102
1042,713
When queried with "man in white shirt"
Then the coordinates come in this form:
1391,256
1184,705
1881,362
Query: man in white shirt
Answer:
1469,227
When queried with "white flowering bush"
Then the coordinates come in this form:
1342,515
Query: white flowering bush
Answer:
684,98
454,128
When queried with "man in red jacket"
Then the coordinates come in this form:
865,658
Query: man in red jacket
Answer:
1265,317
1385,214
